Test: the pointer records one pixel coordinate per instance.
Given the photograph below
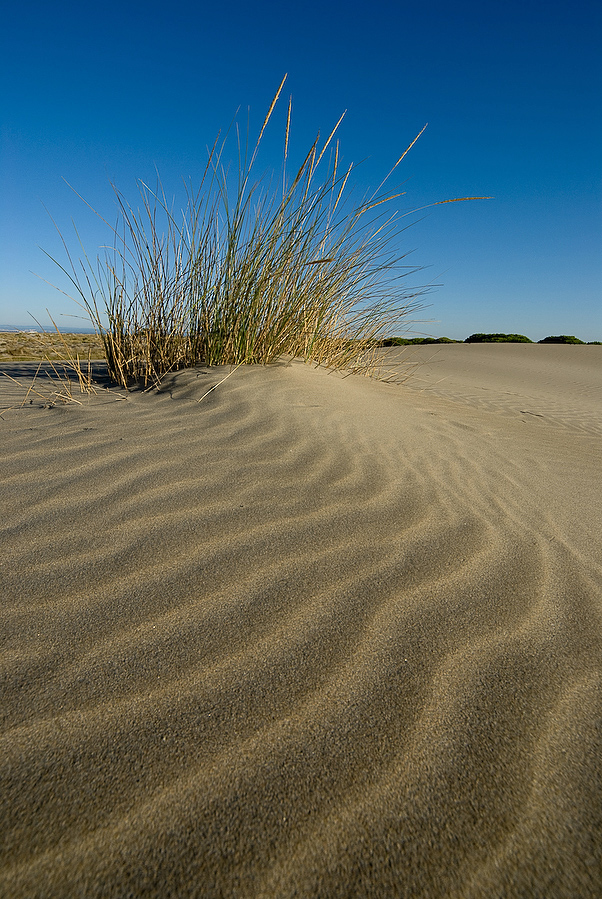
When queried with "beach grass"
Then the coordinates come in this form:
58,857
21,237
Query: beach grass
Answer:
249,270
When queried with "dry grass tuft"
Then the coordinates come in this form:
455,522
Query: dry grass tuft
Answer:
250,273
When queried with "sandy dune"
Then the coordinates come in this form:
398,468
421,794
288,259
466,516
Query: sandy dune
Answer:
560,384
311,637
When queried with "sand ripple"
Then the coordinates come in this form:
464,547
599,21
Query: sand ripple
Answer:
309,637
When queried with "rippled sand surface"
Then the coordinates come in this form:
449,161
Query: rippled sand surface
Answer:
310,637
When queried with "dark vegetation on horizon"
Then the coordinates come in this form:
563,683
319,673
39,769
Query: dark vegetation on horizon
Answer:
415,341
497,338
485,338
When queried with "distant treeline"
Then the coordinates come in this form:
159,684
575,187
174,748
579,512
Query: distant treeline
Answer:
485,338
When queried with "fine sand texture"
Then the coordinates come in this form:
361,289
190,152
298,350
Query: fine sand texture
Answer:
313,636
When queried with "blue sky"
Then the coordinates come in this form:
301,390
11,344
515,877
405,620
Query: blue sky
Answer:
512,92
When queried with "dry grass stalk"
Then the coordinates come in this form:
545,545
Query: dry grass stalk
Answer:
60,376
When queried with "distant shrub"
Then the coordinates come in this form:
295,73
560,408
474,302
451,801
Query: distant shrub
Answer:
561,338
416,341
497,338
439,340
594,343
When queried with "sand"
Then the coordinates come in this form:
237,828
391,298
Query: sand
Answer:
314,636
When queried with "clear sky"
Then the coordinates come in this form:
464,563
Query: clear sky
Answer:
512,92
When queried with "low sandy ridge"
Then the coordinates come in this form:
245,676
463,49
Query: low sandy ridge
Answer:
311,636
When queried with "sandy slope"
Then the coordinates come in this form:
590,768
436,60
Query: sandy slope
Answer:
310,637
560,384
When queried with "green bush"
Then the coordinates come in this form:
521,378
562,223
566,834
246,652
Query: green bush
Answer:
562,338
497,338
415,341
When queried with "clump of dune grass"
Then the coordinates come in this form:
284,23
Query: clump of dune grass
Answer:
249,273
